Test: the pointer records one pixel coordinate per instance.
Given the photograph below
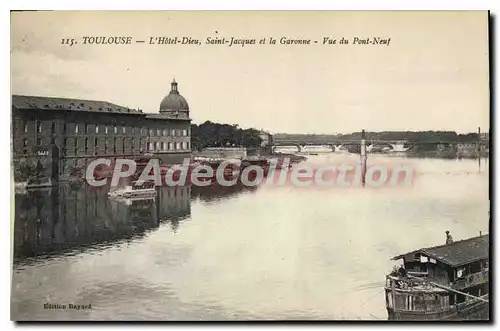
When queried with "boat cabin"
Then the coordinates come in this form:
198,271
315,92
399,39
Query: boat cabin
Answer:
436,278
135,190
146,185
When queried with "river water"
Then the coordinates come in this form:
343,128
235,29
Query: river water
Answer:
236,253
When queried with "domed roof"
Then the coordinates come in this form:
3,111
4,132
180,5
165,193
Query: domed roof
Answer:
174,101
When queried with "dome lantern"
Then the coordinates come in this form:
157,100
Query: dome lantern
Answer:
174,87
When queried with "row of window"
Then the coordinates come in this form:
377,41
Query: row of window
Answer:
118,146
115,129
168,147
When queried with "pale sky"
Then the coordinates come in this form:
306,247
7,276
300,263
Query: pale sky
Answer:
432,76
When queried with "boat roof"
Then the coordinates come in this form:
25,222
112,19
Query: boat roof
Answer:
459,253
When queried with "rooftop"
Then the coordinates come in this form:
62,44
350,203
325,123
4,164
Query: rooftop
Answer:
49,103
166,116
459,253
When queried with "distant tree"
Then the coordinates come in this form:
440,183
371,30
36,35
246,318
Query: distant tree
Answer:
25,170
209,134
77,172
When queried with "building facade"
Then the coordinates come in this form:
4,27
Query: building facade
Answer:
267,138
63,134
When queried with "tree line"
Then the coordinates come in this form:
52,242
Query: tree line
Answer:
416,136
211,134
410,136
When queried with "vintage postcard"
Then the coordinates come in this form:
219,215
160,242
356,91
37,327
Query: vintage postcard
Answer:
250,166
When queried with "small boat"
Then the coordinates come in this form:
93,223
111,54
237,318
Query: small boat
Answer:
144,201
447,282
135,190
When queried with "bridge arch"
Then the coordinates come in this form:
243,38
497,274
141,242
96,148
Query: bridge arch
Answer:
299,146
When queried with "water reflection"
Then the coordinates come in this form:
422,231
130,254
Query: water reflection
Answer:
218,193
68,219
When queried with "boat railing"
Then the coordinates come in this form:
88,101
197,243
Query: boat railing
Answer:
417,273
471,280
405,283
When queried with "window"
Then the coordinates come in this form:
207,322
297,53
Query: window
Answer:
25,126
150,146
133,130
158,132
96,128
187,145
177,145
142,130
106,129
173,132
184,132
170,146
76,128
157,146
164,132
115,129
86,145
151,132
38,141
86,128
39,126
53,127
163,146
25,146
96,143
124,130
133,143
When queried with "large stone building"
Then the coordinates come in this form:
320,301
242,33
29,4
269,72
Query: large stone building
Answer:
63,134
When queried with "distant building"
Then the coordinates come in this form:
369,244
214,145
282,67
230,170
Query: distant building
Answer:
223,152
485,140
467,149
267,138
484,136
61,134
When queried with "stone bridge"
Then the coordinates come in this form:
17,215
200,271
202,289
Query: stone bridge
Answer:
354,146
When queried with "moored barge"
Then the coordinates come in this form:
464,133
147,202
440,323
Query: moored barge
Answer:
447,282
